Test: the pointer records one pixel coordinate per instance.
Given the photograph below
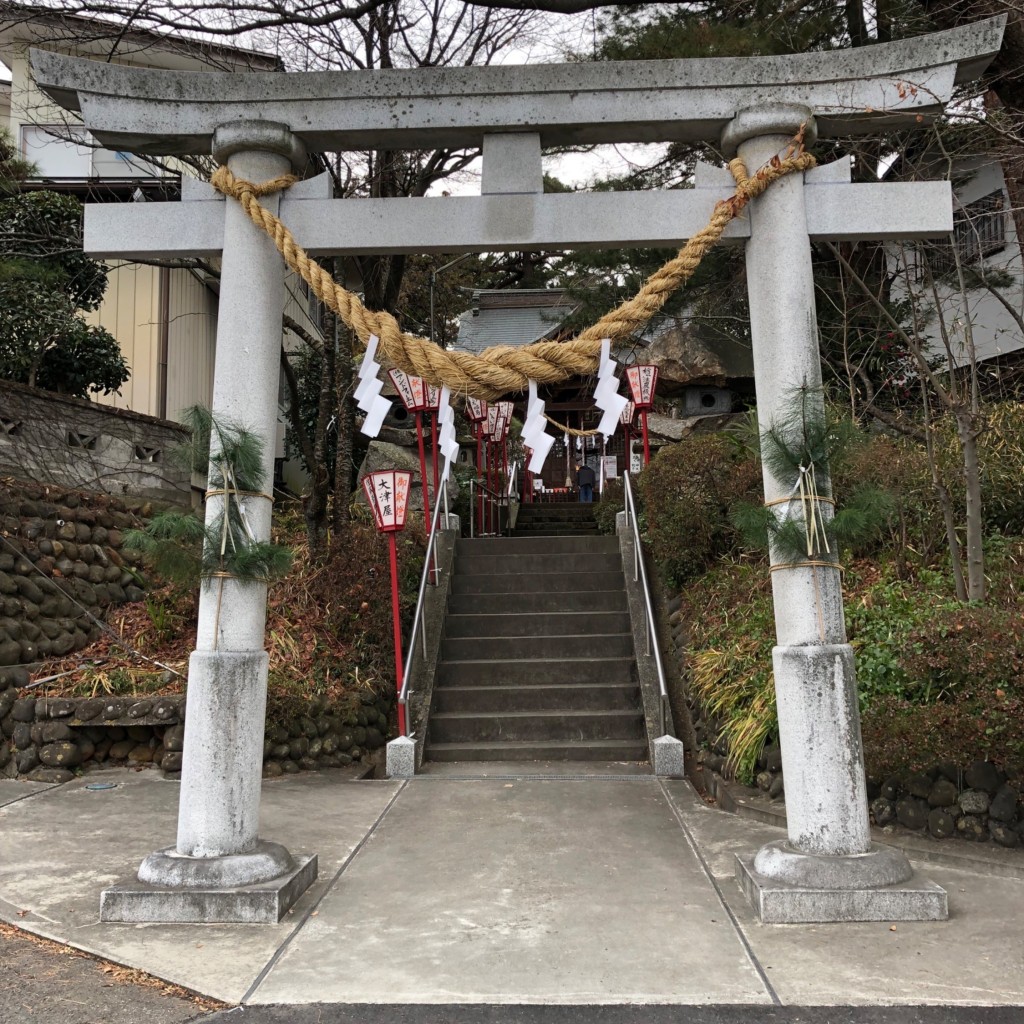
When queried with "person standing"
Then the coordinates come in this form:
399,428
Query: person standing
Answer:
585,479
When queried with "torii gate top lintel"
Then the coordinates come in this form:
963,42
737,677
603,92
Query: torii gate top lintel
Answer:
848,92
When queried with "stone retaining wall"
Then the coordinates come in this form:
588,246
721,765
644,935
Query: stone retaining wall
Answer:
61,560
49,739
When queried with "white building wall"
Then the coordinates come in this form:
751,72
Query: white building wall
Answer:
977,315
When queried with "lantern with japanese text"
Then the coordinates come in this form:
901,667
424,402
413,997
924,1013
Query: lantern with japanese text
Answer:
643,380
433,406
415,396
626,419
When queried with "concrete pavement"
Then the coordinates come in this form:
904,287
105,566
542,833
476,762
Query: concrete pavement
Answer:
463,889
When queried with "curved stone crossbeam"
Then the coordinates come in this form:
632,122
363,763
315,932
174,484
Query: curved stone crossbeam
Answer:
174,113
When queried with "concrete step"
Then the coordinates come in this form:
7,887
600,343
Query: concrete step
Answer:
541,545
593,750
538,624
566,509
527,671
557,601
480,565
556,531
533,726
574,697
504,648
540,583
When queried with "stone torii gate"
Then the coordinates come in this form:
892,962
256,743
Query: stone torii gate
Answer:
262,125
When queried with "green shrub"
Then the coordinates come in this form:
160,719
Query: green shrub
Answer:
1002,458
901,736
609,506
687,492
965,650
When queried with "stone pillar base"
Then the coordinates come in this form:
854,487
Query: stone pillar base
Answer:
212,890
401,758
668,757
851,897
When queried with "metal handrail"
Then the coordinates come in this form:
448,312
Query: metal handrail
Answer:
640,576
429,567
498,500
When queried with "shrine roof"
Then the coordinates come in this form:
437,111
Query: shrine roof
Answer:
512,317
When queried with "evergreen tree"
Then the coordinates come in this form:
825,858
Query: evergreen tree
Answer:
46,282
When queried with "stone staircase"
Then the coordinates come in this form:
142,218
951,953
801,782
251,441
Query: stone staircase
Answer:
555,519
537,659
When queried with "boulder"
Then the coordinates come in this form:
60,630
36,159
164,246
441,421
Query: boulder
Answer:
1004,805
941,824
912,812
974,801
60,755
983,775
943,793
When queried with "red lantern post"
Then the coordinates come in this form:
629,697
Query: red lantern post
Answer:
388,494
505,410
491,436
434,405
476,413
643,379
413,393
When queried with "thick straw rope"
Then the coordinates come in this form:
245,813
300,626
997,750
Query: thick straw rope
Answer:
503,369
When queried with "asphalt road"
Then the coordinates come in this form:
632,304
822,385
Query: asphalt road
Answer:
325,1013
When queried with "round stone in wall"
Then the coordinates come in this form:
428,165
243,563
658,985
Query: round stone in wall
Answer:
912,812
943,793
974,801
941,824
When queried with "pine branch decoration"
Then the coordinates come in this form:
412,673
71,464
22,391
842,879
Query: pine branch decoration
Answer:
181,546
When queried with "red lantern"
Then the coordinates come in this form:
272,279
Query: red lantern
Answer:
643,379
626,419
414,396
388,495
411,390
489,428
476,410
505,410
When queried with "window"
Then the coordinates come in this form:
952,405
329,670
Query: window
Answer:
57,151
979,230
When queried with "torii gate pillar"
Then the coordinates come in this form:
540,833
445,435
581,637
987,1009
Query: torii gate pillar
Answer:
219,868
828,870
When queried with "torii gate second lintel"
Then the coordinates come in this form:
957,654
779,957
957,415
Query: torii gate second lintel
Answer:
828,870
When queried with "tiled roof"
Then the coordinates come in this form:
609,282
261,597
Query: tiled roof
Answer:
513,317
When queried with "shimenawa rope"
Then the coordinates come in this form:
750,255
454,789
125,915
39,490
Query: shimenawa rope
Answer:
503,369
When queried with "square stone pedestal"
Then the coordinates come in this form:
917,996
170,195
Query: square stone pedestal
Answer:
776,903
265,903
